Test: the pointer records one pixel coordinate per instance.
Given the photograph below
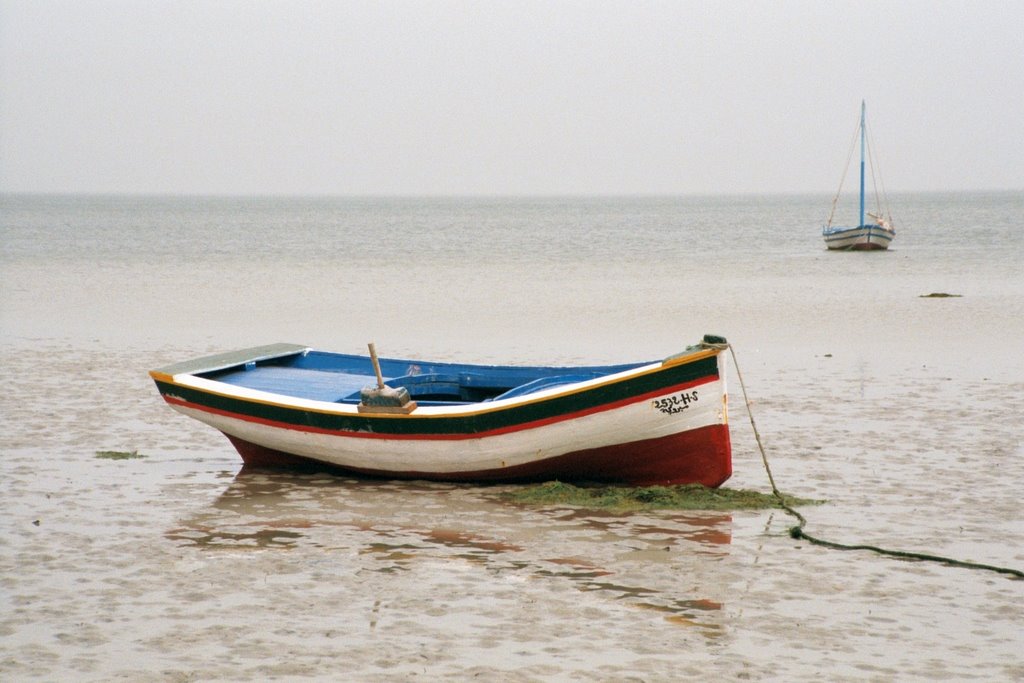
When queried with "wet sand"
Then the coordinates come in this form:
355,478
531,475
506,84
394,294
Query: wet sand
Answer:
903,413
179,566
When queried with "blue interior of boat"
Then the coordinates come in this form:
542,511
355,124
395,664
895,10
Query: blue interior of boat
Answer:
333,377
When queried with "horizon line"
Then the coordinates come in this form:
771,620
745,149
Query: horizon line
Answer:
468,195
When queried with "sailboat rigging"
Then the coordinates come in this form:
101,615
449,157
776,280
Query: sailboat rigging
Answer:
866,236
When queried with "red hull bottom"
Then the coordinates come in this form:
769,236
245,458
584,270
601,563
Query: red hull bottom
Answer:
701,456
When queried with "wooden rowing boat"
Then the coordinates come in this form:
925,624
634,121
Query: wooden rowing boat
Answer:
286,405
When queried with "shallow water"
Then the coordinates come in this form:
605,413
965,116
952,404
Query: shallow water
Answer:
901,412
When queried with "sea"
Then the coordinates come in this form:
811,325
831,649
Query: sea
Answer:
886,386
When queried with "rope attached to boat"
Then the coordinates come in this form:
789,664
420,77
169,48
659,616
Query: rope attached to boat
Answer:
798,532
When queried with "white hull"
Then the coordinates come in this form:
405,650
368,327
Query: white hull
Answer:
865,237
364,451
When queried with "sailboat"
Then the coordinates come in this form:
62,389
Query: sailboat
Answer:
874,234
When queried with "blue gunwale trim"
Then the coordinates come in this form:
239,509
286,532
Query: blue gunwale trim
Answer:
872,229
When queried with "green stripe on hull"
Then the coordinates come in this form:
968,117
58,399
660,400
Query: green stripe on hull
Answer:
485,421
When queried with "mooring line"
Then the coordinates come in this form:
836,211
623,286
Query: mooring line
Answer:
798,532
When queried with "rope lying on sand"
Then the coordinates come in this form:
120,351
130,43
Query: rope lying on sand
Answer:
798,530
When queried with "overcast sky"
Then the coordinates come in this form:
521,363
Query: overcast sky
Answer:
506,97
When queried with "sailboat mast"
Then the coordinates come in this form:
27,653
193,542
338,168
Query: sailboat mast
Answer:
861,163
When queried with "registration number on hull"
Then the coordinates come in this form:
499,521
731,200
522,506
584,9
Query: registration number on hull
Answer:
676,403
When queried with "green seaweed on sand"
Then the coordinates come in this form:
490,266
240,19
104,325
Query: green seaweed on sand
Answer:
684,497
119,455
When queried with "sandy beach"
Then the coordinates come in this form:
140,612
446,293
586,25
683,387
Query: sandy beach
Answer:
178,566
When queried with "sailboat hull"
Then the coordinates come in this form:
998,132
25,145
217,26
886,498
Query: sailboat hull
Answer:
861,238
